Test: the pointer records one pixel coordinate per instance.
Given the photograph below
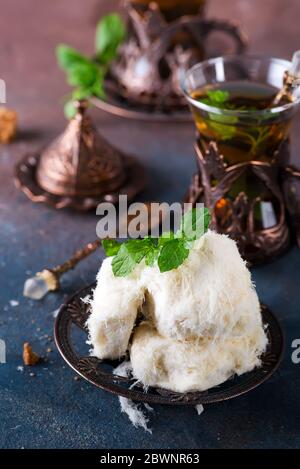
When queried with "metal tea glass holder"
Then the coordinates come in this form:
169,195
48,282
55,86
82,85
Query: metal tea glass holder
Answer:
244,175
236,218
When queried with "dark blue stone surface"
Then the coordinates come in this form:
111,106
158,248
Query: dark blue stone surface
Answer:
52,409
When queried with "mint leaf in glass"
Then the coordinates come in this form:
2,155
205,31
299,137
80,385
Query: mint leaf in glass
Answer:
218,96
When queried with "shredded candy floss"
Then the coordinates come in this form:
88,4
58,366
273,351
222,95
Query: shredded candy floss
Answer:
134,412
202,321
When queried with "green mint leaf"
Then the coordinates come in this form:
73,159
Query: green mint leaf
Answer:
151,256
68,57
218,96
110,33
130,254
98,87
165,238
223,126
69,109
172,255
81,93
194,224
83,75
123,263
170,250
111,247
139,248
223,131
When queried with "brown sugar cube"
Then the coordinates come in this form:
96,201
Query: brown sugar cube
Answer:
8,124
29,357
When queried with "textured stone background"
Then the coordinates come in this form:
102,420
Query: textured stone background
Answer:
52,409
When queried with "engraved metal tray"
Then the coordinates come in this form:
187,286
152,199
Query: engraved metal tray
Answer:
117,105
71,319
25,179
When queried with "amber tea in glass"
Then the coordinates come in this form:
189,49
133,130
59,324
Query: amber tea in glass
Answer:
240,141
231,99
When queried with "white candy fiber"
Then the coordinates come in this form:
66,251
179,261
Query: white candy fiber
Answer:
202,320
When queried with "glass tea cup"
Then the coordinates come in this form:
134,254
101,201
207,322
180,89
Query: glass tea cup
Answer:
231,102
243,133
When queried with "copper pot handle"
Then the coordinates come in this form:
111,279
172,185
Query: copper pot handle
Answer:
230,28
200,29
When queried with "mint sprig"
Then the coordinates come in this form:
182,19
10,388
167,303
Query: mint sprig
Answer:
131,254
110,33
169,251
227,128
172,255
216,98
111,247
87,75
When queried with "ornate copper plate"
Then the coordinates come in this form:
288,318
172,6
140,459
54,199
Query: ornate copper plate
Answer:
117,105
73,315
25,179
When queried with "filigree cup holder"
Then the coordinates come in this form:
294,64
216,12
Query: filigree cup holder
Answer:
243,152
236,217
145,76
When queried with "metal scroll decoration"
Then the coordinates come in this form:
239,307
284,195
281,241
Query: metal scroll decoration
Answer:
145,76
212,183
75,312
